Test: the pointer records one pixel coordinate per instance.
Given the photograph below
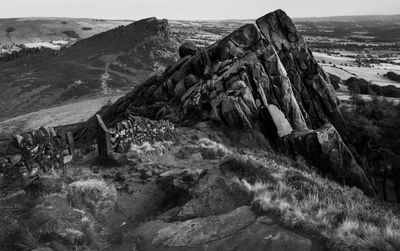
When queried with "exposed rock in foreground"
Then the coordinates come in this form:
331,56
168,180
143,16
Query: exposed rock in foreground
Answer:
236,230
261,78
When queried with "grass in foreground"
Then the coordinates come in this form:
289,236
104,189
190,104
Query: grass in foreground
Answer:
341,216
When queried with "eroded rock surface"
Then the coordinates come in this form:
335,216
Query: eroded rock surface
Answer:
260,78
239,229
325,148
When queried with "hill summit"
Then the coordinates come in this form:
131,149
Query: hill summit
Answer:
261,87
112,61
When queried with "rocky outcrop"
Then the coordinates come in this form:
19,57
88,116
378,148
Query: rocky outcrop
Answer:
188,49
335,81
325,148
262,77
199,193
214,213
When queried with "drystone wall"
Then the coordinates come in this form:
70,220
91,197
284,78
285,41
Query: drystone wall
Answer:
25,156
138,130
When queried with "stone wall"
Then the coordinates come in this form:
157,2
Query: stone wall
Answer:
25,156
138,130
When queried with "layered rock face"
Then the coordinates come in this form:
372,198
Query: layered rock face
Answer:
263,78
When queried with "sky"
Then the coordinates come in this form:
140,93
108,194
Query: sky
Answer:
193,10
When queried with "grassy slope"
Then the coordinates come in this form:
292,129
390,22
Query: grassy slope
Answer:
341,216
74,112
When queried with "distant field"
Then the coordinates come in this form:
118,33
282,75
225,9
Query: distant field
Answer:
369,74
61,115
40,30
346,67
336,60
346,97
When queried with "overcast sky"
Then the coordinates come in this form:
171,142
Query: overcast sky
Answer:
188,9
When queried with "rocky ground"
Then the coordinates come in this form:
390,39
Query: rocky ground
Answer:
164,196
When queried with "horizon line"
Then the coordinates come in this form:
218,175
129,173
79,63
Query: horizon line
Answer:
173,19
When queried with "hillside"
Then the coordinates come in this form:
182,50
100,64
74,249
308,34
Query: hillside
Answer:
113,61
71,113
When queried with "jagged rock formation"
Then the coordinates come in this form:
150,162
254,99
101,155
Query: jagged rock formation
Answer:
263,78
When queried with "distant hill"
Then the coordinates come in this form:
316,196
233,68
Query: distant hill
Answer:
51,31
112,61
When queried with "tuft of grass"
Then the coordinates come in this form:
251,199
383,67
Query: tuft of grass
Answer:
212,150
207,148
94,194
147,150
343,217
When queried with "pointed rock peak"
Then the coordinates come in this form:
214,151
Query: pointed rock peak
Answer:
279,30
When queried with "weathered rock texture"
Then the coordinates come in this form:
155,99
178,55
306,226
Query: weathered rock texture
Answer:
28,154
263,78
239,229
216,216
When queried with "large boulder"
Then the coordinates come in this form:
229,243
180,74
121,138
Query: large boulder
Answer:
199,194
261,78
335,81
188,48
